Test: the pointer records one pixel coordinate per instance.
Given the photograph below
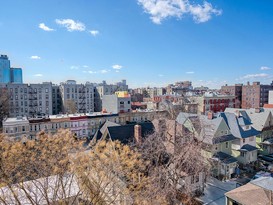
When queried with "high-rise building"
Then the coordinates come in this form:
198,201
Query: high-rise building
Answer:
29,100
4,69
77,97
255,95
16,75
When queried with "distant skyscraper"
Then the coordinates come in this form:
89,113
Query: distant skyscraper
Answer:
16,75
4,69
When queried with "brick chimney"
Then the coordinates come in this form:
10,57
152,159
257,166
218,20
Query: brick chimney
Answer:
210,115
137,133
257,110
237,113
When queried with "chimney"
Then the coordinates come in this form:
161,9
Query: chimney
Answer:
210,115
137,133
237,113
257,110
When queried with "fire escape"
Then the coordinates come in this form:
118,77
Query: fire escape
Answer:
33,105
82,101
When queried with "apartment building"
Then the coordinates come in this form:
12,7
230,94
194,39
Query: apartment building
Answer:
179,87
56,100
235,90
255,95
81,124
29,100
212,101
78,96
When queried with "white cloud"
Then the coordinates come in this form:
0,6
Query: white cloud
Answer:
35,57
92,72
104,71
251,76
265,68
71,25
44,27
160,75
73,67
85,66
117,67
190,72
117,71
94,32
38,75
162,9
203,13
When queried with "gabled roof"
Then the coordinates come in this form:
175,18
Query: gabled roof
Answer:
225,158
249,194
183,116
235,123
108,124
125,133
209,129
248,148
258,119
264,182
210,126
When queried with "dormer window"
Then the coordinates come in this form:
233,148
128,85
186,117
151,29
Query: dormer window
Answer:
246,127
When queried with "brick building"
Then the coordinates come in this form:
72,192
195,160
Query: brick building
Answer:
214,102
235,90
255,95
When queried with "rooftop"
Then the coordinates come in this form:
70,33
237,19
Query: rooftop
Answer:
254,193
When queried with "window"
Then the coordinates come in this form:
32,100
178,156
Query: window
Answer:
242,154
244,140
226,144
192,179
128,101
196,179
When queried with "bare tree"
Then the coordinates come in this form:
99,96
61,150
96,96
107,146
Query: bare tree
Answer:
38,171
176,160
70,107
111,173
4,104
56,169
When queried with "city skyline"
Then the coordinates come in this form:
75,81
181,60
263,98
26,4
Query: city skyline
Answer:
148,43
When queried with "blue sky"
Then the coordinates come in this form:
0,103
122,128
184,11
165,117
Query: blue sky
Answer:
147,42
